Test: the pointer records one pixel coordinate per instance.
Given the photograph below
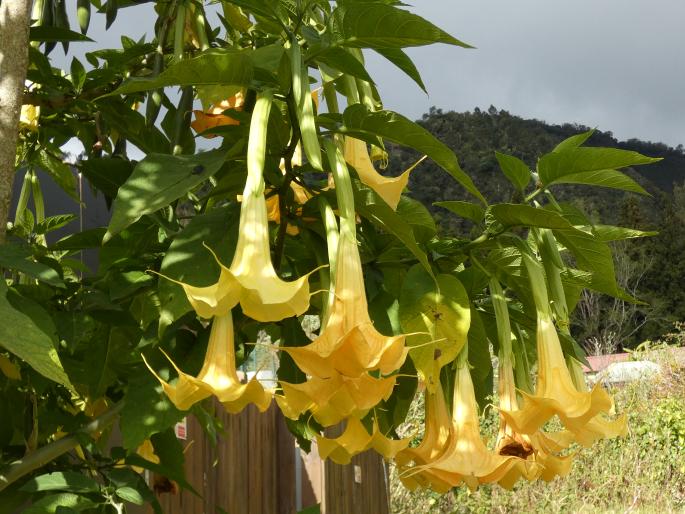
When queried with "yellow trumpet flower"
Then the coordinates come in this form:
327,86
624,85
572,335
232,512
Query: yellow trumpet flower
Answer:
555,393
349,344
251,278
355,440
333,399
388,188
215,117
539,447
466,458
28,119
217,377
438,430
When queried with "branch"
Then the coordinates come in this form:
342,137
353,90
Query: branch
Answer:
50,452
14,56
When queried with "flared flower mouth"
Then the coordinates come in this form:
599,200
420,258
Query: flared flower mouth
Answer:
355,439
388,188
331,400
217,377
349,344
465,458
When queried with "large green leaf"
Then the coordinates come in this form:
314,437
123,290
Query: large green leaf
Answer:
395,127
593,255
62,481
511,215
378,25
403,62
514,169
553,166
608,233
188,259
573,141
52,34
468,210
369,205
147,410
59,171
216,66
603,178
418,218
343,61
32,341
439,315
158,180
60,502
20,258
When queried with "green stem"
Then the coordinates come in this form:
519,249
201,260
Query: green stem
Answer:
343,188
50,452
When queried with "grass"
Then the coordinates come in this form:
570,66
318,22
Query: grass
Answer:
643,472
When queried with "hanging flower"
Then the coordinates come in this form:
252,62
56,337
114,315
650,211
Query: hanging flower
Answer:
330,400
217,377
354,440
466,458
28,119
251,278
438,430
388,188
215,117
555,392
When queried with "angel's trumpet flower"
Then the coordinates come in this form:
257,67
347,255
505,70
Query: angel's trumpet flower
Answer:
437,433
388,188
251,278
555,393
349,344
466,458
354,440
539,447
217,377
330,400
215,117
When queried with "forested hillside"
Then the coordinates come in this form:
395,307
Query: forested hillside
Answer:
652,269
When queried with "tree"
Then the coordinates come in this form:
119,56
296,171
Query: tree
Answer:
188,274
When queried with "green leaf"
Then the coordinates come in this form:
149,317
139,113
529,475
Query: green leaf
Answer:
369,205
468,210
603,178
343,61
441,313
553,166
606,233
594,256
395,127
59,171
25,338
54,222
573,141
147,411
418,218
215,66
378,25
52,34
514,169
125,283
107,174
130,494
158,180
55,502
91,238
403,62
512,214
61,481
480,359
20,258
188,260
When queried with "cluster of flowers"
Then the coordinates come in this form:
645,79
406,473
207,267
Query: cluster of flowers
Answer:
351,367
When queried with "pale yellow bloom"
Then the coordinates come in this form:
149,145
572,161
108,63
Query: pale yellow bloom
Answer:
28,119
466,458
330,400
349,344
215,117
217,377
354,440
388,188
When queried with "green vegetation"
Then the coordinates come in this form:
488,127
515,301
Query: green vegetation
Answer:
644,472
651,269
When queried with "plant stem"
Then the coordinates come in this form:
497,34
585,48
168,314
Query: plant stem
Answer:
14,56
49,452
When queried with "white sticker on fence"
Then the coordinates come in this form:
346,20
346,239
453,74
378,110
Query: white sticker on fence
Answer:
181,429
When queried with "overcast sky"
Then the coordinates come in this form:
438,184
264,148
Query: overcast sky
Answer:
614,64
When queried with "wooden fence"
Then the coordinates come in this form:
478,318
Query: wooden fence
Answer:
257,468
